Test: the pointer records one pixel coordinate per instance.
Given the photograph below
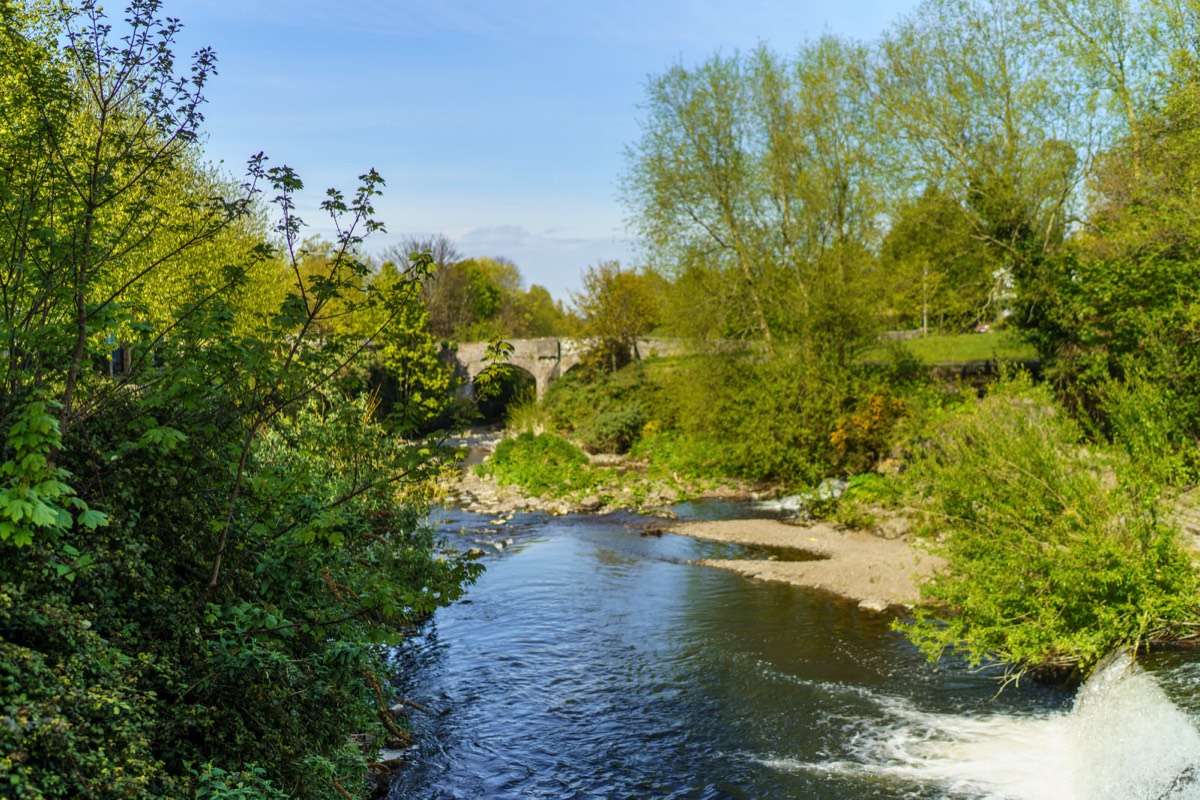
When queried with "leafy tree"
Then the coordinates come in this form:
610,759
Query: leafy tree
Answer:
199,561
538,314
1125,292
440,290
482,298
985,106
753,184
417,384
691,184
618,307
938,271
1051,579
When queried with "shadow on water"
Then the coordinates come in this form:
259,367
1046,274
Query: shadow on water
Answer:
592,661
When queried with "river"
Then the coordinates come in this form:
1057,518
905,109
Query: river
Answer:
591,661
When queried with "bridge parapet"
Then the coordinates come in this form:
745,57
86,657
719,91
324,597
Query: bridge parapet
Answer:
548,359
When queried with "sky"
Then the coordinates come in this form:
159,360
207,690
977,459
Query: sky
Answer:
502,124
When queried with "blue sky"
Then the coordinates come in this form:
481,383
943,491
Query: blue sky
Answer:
501,124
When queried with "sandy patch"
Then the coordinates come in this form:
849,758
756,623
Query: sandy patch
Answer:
878,573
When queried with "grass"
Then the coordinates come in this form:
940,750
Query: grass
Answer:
1002,345
525,414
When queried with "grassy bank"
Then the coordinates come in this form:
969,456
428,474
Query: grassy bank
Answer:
948,348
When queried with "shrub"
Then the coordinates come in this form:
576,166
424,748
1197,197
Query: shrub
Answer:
862,437
525,414
677,455
1056,552
202,558
573,402
543,465
612,431
772,417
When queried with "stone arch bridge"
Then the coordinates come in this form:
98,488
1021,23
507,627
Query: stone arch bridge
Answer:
548,359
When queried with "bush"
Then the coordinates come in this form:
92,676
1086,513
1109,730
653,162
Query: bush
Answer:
606,412
204,557
1056,552
525,414
612,431
861,438
772,418
677,455
543,465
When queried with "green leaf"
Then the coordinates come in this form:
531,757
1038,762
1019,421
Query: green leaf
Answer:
92,519
44,516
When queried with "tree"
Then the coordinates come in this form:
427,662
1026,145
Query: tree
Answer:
691,181
618,307
438,286
1126,296
938,271
416,384
985,106
440,248
482,298
80,176
754,179
201,558
538,314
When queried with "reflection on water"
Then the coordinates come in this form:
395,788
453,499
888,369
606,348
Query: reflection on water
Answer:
592,661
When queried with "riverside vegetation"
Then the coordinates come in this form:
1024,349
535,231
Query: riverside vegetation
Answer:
1025,167
207,546
204,556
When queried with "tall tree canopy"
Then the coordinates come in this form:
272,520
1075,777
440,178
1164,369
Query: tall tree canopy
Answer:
753,183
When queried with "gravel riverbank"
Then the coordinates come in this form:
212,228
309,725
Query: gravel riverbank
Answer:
877,572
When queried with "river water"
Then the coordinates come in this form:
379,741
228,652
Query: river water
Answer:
591,661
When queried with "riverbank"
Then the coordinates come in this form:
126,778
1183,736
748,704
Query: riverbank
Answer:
876,572
625,488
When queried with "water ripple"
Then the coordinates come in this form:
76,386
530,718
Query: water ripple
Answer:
594,662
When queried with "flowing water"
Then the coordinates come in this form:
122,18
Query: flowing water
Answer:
593,661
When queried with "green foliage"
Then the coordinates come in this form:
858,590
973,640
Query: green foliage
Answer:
1001,345
603,357
753,190
249,783
939,272
871,487
704,417
618,306
605,412
987,108
525,414
864,494
416,385
479,299
543,465
1057,553
862,437
1123,297
771,418
35,499
1148,421
202,558
676,455
612,431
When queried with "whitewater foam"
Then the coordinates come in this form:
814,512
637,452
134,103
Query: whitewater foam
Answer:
1123,739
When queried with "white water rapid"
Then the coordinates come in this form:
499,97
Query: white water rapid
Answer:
1123,739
